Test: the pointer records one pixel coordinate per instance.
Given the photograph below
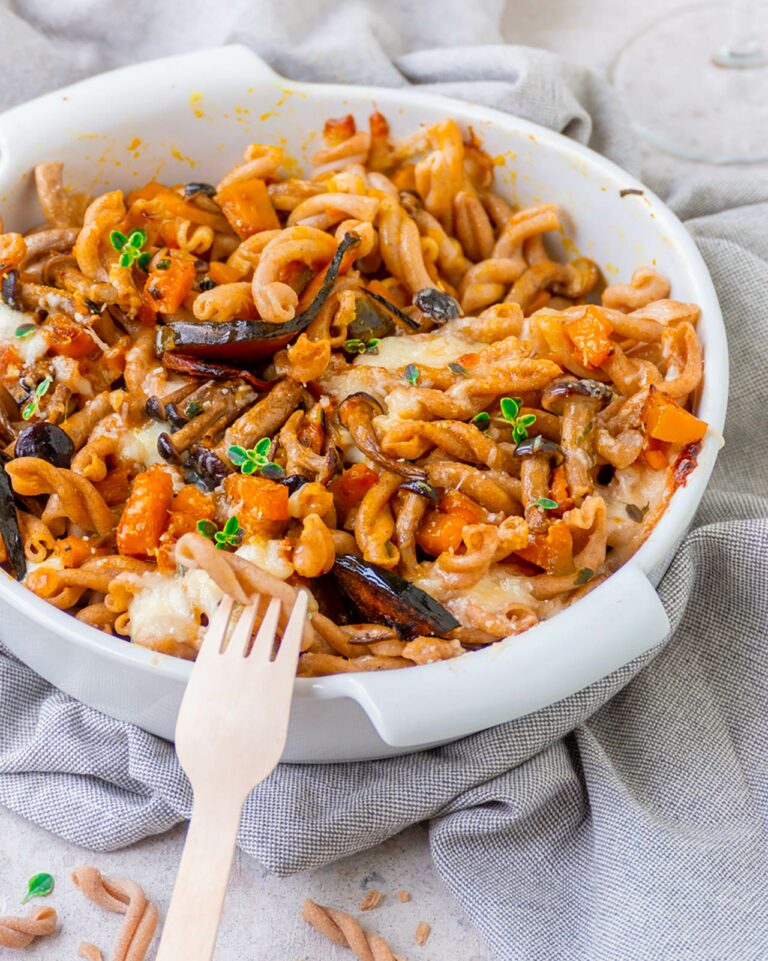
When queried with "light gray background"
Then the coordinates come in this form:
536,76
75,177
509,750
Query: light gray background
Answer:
261,919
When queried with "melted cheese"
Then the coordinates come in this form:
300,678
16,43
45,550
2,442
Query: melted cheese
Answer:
436,349
269,555
30,348
497,592
140,444
171,606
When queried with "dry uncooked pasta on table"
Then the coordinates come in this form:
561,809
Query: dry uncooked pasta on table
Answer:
376,381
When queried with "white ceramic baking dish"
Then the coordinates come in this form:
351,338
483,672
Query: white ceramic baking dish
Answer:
189,118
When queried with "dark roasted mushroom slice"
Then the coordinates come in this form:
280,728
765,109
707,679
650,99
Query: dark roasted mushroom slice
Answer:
381,596
370,321
199,367
9,524
356,413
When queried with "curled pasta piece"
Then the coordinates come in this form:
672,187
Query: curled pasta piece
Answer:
408,516
344,930
413,439
427,650
59,207
78,500
646,285
440,175
226,301
275,300
400,246
314,552
36,536
488,280
19,933
374,523
260,162
243,581
91,248
325,210
122,897
473,226
13,249
477,484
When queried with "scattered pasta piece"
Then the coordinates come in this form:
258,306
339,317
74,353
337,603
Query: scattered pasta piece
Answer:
343,929
372,899
403,896
89,952
123,897
18,933
422,933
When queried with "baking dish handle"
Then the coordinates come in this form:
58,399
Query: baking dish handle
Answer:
606,629
24,129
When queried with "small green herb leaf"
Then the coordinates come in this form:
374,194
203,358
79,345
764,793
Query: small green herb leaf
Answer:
636,513
372,346
118,240
262,446
163,264
584,575
143,260
38,886
129,248
545,503
25,330
412,374
458,369
510,407
207,529
30,408
354,345
482,420
193,409
232,526
272,470
238,455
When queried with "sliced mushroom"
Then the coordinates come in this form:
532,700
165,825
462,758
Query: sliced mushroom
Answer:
223,403
538,456
157,408
578,403
356,413
263,419
381,596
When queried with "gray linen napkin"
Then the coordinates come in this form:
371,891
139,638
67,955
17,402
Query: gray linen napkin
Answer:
627,823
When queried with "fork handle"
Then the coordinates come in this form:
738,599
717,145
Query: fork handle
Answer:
193,917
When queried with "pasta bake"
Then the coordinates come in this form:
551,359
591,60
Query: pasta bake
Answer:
378,381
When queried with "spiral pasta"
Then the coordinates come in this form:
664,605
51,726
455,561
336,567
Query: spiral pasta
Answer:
18,933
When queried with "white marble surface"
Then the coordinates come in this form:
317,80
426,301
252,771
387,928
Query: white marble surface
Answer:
261,919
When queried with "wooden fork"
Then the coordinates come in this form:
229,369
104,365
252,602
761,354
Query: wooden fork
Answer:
230,735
